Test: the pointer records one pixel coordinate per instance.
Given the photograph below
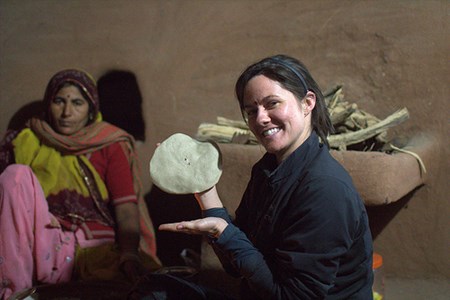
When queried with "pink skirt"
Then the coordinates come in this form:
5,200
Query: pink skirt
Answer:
31,250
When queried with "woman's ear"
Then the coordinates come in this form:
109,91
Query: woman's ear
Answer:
308,103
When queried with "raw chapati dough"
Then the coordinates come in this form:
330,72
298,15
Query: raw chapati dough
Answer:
183,165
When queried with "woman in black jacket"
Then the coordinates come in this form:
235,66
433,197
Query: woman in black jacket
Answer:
301,230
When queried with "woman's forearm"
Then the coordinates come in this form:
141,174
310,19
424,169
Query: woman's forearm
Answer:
127,218
208,199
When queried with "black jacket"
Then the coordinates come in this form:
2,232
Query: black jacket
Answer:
301,230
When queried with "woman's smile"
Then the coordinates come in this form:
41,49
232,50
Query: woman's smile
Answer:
270,132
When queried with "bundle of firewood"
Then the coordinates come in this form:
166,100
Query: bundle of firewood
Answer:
354,128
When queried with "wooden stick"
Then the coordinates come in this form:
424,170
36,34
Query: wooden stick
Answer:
340,113
336,98
233,123
222,134
350,138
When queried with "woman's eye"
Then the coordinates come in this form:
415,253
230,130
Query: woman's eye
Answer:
78,102
57,100
272,104
250,112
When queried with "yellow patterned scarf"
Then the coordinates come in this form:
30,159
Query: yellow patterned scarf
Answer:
55,171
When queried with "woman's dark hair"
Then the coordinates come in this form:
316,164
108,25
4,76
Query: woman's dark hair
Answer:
294,77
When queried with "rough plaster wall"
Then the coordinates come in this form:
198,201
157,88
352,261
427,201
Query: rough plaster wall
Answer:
187,55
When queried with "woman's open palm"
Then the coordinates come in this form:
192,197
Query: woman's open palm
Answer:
211,226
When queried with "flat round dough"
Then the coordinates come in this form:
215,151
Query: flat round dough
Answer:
183,165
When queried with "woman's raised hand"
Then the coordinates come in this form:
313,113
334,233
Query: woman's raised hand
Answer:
208,199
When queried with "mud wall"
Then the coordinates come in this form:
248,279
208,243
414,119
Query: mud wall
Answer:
186,56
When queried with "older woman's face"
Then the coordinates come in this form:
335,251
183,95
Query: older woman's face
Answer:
69,110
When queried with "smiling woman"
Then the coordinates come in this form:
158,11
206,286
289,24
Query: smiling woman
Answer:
279,121
301,230
70,188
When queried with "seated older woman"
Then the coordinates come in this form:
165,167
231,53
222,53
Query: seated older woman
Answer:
70,196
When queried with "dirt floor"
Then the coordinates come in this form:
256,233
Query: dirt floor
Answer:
416,289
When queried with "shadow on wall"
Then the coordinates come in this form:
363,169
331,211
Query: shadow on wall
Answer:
121,102
381,215
167,208
32,109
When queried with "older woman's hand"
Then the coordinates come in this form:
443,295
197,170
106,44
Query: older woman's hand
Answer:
211,226
132,269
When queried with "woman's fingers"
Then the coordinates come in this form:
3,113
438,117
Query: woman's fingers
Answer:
185,227
169,226
212,226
